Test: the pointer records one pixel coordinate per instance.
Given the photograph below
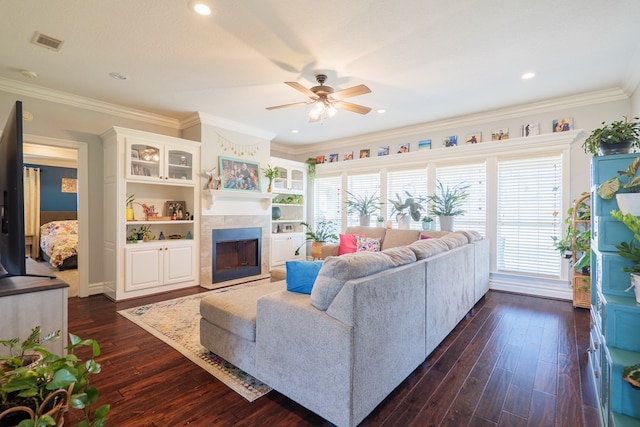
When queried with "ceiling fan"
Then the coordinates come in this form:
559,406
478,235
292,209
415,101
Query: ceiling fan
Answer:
327,100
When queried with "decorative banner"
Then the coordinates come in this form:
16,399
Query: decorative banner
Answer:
237,149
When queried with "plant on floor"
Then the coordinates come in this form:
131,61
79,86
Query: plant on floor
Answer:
612,137
576,239
52,375
324,232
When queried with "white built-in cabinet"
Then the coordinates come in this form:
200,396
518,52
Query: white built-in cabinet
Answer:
289,196
156,169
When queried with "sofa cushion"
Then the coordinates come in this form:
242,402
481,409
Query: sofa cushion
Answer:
235,311
435,234
472,235
337,270
400,255
394,238
367,244
427,248
455,239
348,243
301,275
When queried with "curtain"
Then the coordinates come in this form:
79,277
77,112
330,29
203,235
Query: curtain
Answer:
32,207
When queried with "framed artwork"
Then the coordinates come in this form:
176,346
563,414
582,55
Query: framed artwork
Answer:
319,160
238,174
450,141
333,157
177,208
425,144
348,155
69,185
383,151
473,138
500,134
365,153
135,155
288,228
563,125
403,148
530,129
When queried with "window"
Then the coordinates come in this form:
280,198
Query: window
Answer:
327,200
362,185
475,206
398,182
528,202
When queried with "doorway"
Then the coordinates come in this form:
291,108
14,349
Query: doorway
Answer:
64,153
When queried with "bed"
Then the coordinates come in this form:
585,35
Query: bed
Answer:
59,239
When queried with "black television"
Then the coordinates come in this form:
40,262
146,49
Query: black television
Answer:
12,236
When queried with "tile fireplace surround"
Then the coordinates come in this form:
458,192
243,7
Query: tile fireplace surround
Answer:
208,223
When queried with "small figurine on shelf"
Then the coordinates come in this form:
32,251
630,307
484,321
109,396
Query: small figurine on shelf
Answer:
161,237
174,216
180,214
189,236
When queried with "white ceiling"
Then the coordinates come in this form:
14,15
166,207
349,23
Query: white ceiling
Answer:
424,60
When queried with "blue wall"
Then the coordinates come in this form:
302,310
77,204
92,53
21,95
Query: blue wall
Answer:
51,196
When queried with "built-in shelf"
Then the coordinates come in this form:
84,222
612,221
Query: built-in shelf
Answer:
173,222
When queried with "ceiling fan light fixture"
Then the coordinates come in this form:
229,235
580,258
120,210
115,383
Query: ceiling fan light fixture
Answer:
331,110
317,111
201,7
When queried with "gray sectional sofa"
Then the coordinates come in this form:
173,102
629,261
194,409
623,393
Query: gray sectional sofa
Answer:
370,320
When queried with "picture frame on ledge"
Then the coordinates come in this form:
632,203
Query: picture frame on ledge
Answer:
239,174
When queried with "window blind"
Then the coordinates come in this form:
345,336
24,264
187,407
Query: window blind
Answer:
362,185
327,196
398,182
475,206
528,202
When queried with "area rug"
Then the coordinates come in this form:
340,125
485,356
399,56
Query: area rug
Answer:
177,323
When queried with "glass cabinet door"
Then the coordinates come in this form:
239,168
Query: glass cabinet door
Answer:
297,179
144,160
179,164
280,183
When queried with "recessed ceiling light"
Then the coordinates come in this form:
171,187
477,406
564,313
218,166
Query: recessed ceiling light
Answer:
201,7
294,131
29,74
527,76
381,111
118,76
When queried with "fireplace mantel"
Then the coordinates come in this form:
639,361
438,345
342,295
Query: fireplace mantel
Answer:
265,198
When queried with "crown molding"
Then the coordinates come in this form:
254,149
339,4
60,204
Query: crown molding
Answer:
589,98
211,120
64,98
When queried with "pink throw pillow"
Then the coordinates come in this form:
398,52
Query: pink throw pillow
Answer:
423,237
348,243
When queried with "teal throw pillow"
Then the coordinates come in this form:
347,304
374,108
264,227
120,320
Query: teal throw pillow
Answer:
301,275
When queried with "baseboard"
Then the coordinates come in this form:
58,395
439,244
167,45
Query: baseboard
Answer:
531,286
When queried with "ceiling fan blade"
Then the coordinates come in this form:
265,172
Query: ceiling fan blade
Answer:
354,108
352,91
297,86
288,105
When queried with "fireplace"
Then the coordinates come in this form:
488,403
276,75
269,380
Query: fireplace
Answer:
235,253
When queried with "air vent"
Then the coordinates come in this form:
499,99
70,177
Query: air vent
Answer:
47,41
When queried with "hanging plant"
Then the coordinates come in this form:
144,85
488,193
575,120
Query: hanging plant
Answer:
311,167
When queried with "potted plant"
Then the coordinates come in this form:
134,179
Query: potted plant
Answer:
618,137
447,203
129,208
578,240
629,201
271,173
630,250
631,374
311,167
380,221
43,391
324,232
364,206
407,209
427,223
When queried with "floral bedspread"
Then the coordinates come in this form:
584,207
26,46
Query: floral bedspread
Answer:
59,240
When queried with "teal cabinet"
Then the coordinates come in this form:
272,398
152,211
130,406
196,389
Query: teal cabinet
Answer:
615,341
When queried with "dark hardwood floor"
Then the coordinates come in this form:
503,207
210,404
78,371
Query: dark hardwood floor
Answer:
513,361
